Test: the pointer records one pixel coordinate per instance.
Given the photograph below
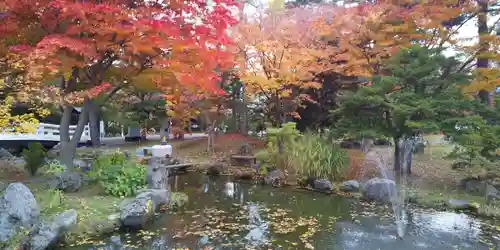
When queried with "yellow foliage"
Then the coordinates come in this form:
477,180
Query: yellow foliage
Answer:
26,123
276,4
485,78
151,78
313,85
170,113
276,52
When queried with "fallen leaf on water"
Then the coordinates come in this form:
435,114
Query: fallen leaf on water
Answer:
308,246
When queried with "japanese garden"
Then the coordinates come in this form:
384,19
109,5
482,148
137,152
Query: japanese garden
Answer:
228,124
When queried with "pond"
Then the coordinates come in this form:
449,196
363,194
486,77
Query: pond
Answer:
222,214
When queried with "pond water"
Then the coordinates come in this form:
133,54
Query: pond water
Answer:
222,214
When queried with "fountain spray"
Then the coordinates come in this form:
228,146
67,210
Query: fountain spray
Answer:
399,196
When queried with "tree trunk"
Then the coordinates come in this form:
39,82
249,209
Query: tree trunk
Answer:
407,158
243,121
189,127
277,112
397,156
144,130
403,155
483,63
243,112
210,127
94,123
69,145
234,113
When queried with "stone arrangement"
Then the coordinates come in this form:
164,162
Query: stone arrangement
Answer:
19,214
136,212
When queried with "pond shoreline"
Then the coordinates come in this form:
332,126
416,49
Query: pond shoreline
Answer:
224,189
419,197
108,219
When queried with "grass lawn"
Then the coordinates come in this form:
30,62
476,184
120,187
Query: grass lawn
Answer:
434,182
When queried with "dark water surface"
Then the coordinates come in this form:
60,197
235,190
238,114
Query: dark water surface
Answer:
222,214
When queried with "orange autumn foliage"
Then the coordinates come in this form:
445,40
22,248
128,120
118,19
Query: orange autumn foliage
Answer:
365,35
95,37
275,52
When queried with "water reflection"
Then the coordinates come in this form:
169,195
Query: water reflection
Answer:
229,189
436,230
224,214
458,224
258,228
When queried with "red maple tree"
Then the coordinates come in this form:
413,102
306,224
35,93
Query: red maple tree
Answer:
84,44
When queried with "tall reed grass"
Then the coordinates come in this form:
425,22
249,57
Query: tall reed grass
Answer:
315,155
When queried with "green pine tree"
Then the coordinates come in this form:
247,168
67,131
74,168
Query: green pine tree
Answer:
418,93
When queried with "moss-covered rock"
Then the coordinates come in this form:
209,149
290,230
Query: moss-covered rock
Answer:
94,210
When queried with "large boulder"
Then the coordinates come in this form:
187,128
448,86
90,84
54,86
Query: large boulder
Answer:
379,189
18,208
350,186
137,213
158,196
473,185
67,181
46,234
323,185
5,154
492,194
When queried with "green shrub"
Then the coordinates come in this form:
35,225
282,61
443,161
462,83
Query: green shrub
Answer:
475,148
103,162
53,167
117,175
123,180
311,154
316,156
279,143
34,156
50,200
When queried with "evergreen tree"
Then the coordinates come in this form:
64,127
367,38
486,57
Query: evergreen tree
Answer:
418,93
